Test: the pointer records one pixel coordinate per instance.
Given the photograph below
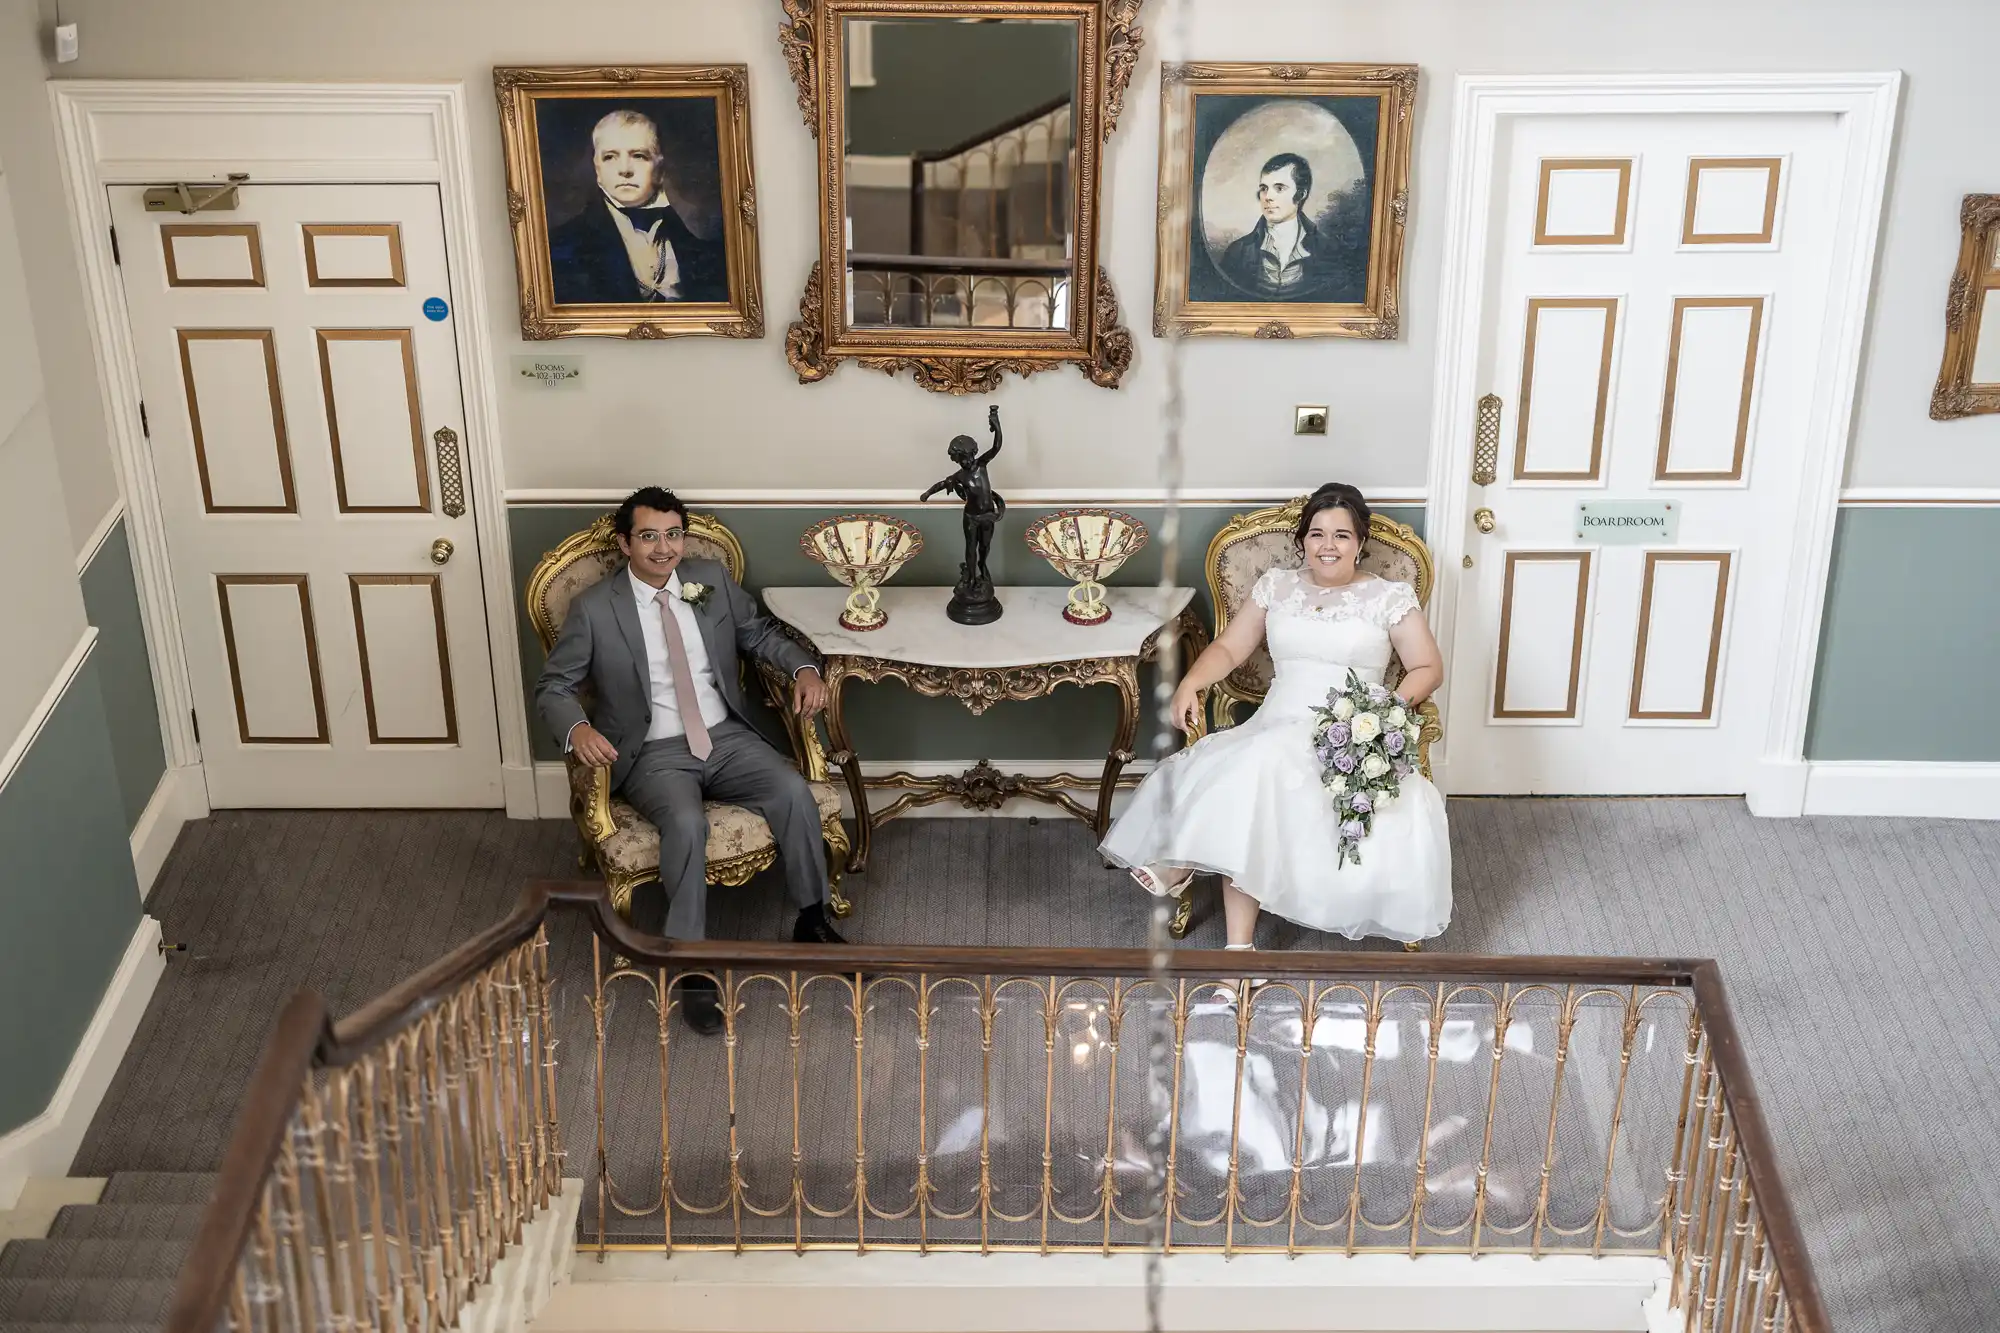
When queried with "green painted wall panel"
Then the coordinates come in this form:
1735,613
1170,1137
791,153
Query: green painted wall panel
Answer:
1907,608
68,899
888,722
111,598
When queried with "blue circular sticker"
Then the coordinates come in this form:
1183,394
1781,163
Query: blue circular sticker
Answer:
435,308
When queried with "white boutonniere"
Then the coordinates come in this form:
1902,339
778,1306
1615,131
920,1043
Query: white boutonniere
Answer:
695,595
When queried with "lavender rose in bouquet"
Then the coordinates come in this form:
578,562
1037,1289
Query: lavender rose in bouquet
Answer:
1365,741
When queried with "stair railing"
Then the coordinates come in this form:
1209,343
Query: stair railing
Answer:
381,1166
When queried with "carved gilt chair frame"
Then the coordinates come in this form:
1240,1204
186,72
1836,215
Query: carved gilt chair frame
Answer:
591,801
960,360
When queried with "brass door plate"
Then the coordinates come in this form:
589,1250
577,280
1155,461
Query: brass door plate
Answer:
1309,420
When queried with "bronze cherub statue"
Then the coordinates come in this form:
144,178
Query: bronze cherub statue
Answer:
972,600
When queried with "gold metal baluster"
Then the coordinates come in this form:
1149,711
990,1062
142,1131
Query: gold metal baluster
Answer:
1361,1112
273,1291
508,1029
1629,1034
1722,1239
986,1115
410,1309
1676,1165
347,1199
1436,1034
1113,1016
794,1013
548,1129
729,1012
663,1010
315,1176
1565,1026
1774,1298
1048,1107
388,1260
1709,1185
1169,1201
1684,1216
437,1108
603,1170
486,1159
1294,1195
1749,1236
239,1301
1503,1013
1229,1200
292,1236
923,1113
860,1138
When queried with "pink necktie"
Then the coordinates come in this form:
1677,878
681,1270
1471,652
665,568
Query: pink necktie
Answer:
677,662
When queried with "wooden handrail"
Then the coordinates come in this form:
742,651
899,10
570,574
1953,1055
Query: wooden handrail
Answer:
305,1040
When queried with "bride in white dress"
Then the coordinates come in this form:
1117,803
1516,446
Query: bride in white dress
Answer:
1247,802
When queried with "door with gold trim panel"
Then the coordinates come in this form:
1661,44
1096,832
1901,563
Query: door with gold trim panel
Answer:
1653,305
303,407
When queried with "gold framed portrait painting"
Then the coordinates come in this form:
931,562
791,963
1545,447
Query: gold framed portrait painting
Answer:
1283,193
1969,380
630,194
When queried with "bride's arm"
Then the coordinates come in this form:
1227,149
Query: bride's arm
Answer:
1239,639
1423,664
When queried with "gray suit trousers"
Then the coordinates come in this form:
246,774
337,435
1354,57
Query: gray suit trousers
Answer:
667,785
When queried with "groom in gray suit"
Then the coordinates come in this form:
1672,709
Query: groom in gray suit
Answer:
658,640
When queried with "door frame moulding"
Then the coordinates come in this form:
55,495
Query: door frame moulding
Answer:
1865,104
128,132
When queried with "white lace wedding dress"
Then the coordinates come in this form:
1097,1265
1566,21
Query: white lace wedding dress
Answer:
1247,802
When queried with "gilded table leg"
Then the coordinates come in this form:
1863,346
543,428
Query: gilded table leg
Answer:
850,768
1126,678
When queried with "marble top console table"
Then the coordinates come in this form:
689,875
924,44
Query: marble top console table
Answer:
1025,654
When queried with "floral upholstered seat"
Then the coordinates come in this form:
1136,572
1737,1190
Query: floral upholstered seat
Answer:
1254,542
617,840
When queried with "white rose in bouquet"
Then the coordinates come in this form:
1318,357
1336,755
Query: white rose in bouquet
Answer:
1374,766
1343,708
1337,784
1414,731
1397,717
1366,727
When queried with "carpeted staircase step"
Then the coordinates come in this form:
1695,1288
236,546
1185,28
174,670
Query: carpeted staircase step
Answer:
133,1221
111,1258
73,1301
159,1187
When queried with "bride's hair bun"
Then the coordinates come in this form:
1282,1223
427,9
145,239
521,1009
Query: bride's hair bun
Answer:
1335,495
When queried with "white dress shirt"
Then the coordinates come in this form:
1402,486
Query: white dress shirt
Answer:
667,708
652,256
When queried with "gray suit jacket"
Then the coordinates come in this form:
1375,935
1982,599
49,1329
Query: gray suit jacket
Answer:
601,643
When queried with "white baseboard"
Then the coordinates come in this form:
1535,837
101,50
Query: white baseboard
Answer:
1777,788
180,796
1906,789
518,786
552,786
46,1145
825,1292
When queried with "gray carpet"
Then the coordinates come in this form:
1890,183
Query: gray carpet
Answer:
1859,956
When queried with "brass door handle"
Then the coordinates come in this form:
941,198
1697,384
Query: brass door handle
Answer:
441,550
1482,518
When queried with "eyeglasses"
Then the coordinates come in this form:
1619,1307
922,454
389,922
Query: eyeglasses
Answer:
654,536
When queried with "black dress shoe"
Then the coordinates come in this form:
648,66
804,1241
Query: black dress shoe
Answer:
813,927
701,1005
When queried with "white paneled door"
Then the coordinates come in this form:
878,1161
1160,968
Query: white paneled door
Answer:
303,407
1653,311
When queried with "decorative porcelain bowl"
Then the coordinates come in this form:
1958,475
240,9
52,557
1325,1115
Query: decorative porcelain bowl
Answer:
1087,545
862,551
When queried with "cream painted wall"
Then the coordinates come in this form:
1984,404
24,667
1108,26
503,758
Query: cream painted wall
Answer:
55,291
45,606
663,410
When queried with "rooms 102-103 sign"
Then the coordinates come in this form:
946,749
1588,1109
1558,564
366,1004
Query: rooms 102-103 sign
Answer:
1628,522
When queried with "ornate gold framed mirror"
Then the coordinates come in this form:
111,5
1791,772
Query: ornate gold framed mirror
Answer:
1969,380
959,152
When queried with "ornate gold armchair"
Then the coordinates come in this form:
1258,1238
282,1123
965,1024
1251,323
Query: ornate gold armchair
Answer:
1254,542
621,844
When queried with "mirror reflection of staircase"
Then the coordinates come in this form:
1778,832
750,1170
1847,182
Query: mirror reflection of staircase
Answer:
109,1266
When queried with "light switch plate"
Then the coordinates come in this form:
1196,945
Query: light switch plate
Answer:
1309,420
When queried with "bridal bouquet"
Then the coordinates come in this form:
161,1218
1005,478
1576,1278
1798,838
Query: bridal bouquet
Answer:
1366,742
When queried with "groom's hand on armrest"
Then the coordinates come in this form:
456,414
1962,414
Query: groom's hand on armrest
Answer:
809,692
589,746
